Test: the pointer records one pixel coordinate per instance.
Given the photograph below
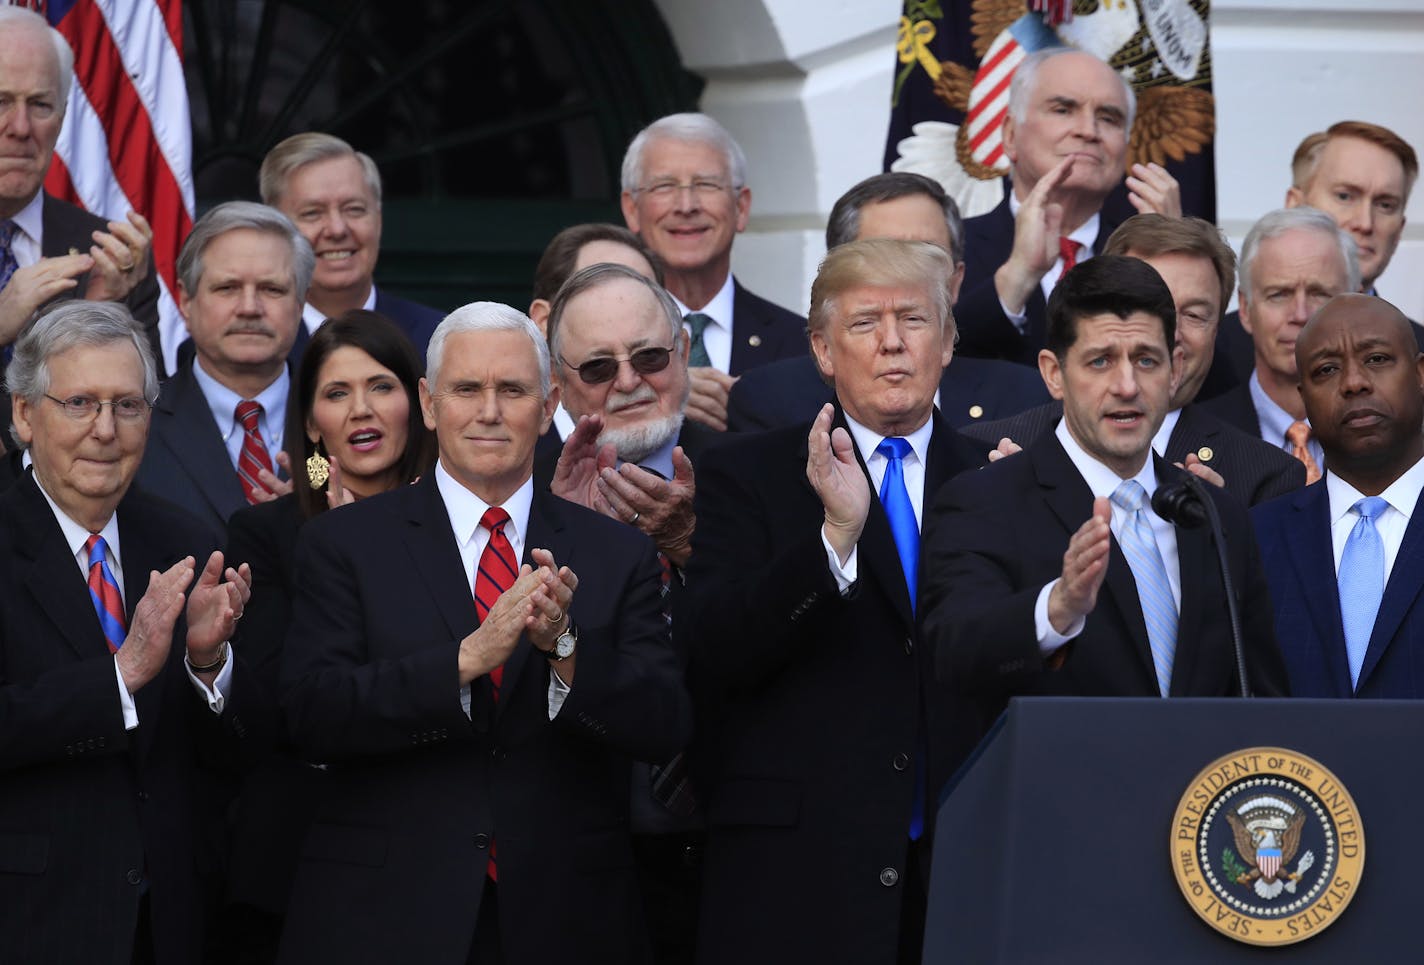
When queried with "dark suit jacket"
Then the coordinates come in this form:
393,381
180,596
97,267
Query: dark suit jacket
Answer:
984,330
997,537
1236,409
95,816
762,331
394,866
1294,532
810,706
1254,471
791,392
186,461
416,320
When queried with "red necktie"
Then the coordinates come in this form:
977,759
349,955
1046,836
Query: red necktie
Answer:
104,591
497,570
254,456
1068,248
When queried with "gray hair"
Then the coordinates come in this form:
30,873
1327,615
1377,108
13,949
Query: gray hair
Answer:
1027,72
1276,223
694,128
602,274
27,19
66,326
485,317
234,215
843,226
298,151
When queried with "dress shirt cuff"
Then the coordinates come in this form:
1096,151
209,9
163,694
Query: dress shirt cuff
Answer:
1050,639
845,575
558,690
217,695
126,700
465,700
1019,319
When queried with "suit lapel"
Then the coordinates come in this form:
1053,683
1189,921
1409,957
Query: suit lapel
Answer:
1070,499
1405,581
436,557
50,573
196,443
1312,555
1188,436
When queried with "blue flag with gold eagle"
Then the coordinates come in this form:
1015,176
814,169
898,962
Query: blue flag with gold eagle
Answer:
954,60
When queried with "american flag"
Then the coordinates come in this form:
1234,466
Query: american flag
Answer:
126,143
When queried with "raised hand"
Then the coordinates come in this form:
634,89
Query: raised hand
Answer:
707,396
1037,228
1153,191
336,493
836,476
34,285
492,642
662,508
215,604
120,259
150,636
1085,563
581,461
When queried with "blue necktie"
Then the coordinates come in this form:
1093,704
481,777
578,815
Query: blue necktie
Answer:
1154,592
697,354
1361,582
906,530
8,264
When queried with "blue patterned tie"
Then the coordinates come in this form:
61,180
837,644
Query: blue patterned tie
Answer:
1361,582
697,354
8,265
1154,592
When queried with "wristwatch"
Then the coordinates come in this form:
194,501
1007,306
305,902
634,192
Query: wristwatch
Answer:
564,645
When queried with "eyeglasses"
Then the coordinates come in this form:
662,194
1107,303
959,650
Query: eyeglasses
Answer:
86,408
645,361
669,189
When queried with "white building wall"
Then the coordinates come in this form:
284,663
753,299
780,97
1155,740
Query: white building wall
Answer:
804,86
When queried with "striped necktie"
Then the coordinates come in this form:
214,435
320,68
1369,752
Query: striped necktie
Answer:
1154,592
496,572
254,456
104,592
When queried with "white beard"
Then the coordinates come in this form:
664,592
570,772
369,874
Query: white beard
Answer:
636,443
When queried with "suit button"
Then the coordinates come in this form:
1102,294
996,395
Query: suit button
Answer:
498,753
482,841
888,877
143,795
909,645
900,762
133,877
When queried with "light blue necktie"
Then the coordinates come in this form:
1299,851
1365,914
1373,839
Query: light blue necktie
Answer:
903,526
697,354
1361,582
1154,592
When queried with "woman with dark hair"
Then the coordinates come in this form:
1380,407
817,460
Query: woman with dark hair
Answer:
354,429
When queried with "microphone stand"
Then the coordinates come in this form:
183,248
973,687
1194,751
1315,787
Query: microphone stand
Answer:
1233,613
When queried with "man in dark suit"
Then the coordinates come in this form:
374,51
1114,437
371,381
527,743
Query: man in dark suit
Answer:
1293,261
1049,573
1065,135
50,249
110,696
1199,269
218,423
1345,557
818,718
685,193
476,717
332,193
910,207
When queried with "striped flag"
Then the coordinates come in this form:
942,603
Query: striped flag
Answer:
126,143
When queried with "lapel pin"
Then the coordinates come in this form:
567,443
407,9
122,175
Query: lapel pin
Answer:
976,411
1205,453
754,340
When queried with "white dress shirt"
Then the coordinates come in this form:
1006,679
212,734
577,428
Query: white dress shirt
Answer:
1085,234
866,442
1402,496
465,510
312,316
76,536
1104,482
716,337
222,402
26,245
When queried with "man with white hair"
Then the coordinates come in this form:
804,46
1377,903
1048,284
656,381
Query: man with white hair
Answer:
1066,136
1293,261
685,192
332,193
478,661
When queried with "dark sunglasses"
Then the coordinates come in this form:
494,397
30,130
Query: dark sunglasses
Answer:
645,361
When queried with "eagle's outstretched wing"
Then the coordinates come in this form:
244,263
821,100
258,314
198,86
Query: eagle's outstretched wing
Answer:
1245,844
1290,842
1171,123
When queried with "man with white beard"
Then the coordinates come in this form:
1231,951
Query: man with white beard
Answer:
619,353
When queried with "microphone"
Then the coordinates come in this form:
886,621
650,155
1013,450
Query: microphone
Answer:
1186,504
1177,504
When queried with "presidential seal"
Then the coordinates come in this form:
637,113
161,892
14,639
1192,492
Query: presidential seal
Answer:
1267,846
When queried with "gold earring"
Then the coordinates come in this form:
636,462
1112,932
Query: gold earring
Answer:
318,469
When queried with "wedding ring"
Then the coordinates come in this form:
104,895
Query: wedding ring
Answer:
636,517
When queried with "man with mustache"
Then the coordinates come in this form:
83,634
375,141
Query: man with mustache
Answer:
1342,556
217,426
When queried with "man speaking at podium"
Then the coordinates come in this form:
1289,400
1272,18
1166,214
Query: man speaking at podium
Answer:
1049,572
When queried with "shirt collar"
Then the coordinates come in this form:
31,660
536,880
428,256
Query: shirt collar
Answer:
465,509
222,402
868,440
312,316
30,218
1100,479
75,536
719,309
1402,494
1169,424
660,459
1274,420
